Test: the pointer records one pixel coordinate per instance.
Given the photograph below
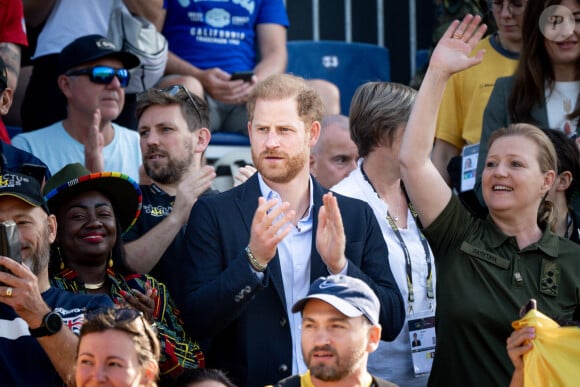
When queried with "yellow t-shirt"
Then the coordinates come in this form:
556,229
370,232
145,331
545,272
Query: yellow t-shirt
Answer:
461,113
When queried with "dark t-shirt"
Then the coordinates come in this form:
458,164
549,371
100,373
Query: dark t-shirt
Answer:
23,362
487,279
157,204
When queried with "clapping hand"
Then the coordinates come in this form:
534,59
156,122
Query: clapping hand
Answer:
330,237
95,142
194,183
244,173
270,225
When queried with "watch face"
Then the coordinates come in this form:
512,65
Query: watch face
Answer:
53,322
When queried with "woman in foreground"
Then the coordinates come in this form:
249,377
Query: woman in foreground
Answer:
117,347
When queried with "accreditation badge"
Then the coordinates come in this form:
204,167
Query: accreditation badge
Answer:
469,166
422,341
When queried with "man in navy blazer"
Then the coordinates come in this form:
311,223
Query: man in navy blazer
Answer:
252,252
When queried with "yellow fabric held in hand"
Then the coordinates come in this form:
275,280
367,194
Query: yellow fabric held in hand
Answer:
554,360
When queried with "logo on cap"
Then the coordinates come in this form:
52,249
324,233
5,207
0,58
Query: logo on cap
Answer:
9,180
327,284
105,44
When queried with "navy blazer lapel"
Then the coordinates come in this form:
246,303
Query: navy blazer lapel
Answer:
317,267
248,203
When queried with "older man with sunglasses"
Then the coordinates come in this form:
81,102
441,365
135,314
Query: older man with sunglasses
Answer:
93,74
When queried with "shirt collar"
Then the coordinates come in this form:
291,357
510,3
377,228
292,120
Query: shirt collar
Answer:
269,193
548,242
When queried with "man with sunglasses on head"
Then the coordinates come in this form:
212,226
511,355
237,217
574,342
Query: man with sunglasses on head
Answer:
93,75
173,127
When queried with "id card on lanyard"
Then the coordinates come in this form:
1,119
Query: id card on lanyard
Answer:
469,166
421,324
422,341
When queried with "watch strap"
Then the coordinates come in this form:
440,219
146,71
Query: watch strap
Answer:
48,327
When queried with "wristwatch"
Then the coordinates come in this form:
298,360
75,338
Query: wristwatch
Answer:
51,324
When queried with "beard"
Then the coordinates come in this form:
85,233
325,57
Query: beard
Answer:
344,365
38,259
175,168
282,174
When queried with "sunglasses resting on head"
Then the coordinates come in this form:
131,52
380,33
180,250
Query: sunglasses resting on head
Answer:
104,75
175,89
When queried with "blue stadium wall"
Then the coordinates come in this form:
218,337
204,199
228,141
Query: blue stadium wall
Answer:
365,26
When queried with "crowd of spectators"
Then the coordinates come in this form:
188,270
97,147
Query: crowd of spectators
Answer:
350,252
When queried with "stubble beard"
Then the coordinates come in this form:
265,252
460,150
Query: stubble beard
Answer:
343,367
175,168
284,174
37,262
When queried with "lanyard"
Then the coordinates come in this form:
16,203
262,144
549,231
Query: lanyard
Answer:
409,271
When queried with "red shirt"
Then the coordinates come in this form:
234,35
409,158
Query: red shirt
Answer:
12,30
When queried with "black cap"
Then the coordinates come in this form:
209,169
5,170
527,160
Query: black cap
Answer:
350,296
23,187
92,47
3,75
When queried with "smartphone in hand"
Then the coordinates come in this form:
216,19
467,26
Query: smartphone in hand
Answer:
246,76
9,242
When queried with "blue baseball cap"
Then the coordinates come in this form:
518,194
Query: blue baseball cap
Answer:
350,296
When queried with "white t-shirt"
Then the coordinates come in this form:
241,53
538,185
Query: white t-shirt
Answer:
561,102
57,148
71,19
392,360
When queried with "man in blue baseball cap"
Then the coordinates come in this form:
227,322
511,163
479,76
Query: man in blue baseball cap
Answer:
340,327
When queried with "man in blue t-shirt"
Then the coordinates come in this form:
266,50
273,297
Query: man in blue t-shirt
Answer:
209,41
37,323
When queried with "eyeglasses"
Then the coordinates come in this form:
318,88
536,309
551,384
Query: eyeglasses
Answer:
175,89
516,8
104,75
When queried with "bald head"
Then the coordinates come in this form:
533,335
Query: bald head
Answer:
334,156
